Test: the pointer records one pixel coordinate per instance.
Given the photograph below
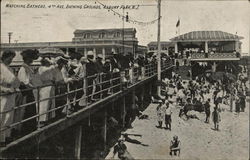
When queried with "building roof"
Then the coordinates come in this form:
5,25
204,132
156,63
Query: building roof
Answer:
169,43
106,30
206,35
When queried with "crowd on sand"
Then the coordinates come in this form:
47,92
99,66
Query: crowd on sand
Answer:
202,94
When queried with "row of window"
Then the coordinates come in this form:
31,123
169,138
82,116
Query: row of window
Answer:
163,48
101,35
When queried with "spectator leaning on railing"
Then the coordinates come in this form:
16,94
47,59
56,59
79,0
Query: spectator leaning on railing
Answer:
28,80
9,83
47,77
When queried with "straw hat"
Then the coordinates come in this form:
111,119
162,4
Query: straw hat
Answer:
114,53
121,140
100,56
84,60
90,53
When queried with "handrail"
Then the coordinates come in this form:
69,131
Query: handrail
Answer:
112,82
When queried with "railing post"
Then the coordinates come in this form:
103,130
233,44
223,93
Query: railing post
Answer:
143,72
100,83
142,96
68,101
123,111
78,141
122,78
105,128
111,83
38,108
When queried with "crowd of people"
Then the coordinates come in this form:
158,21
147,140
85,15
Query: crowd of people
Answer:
59,86
202,94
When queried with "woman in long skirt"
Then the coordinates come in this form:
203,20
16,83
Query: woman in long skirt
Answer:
8,85
48,91
27,77
160,114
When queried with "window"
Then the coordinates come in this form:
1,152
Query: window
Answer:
102,35
117,34
78,34
87,35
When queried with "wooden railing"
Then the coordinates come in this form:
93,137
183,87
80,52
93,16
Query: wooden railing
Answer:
107,84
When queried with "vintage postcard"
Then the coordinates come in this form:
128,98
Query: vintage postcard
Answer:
124,79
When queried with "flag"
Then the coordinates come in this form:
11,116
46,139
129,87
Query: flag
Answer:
178,23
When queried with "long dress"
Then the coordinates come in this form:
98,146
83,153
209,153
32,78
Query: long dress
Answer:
160,113
60,89
47,78
28,78
7,80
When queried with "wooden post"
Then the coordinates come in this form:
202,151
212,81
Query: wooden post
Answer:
150,89
123,110
142,96
231,103
78,140
133,100
105,129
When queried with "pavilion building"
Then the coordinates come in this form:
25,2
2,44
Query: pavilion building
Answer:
217,50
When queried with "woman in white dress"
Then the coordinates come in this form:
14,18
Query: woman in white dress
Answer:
61,78
8,85
27,77
47,77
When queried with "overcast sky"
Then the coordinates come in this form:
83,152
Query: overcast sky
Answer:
43,25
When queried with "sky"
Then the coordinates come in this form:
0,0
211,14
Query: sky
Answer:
58,24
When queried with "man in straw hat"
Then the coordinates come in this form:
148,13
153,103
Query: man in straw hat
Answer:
91,71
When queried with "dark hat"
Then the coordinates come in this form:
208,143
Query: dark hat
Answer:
62,60
8,53
30,53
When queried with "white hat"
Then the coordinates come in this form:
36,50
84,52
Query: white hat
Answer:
100,56
114,52
121,140
90,53
84,59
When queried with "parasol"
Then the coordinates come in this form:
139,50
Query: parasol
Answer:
51,52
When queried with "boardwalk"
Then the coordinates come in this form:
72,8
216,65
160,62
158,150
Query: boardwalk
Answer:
198,140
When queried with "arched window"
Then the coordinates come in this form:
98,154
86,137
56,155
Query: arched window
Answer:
87,35
117,34
102,35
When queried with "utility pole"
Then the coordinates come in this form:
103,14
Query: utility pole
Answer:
10,34
159,49
123,19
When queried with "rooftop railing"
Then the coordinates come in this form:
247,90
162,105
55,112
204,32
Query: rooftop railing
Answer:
213,55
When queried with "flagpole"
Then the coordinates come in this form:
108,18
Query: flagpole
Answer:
179,27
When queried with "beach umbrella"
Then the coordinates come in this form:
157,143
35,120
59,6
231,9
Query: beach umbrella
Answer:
51,52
